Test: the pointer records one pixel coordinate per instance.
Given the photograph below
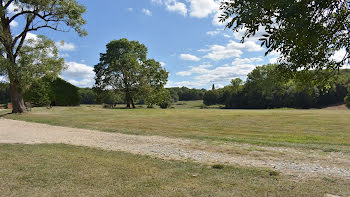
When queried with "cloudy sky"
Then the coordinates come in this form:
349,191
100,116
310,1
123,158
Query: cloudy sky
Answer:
184,35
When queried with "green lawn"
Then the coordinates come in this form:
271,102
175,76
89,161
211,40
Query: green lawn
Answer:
317,129
62,170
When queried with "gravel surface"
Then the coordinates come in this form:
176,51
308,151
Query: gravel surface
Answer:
298,163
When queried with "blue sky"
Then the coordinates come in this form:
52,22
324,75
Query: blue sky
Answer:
184,35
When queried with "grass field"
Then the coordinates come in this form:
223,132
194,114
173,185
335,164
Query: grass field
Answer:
62,170
316,129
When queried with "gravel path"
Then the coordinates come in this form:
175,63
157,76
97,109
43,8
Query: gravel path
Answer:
299,163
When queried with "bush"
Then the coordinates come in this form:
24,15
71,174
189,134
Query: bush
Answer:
64,93
59,92
164,105
39,94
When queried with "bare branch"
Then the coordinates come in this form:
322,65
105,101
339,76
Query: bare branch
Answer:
22,36
8,4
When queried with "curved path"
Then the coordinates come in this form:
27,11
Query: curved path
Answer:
299,163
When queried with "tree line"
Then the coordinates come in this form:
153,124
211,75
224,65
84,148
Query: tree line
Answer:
265,88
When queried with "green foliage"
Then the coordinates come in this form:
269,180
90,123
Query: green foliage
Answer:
306,33
113,98
4,93
159,97
58,91
173,94
186,94
39,93
28,60
264,88
65,94
87,95
210,98
38,58
125,67
347,98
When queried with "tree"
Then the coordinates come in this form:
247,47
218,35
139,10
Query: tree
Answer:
87,95
24,61
307,33
347,98
125,67
159,97
210,97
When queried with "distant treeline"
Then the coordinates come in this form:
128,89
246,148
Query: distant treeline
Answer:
89,96
264,89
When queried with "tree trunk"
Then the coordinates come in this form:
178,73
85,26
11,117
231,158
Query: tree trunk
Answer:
133,104
127,98
16,99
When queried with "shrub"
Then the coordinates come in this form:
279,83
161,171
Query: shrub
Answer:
39,94
164,105
64,93
60,92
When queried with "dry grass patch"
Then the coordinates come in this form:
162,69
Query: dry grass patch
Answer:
313,129
64,170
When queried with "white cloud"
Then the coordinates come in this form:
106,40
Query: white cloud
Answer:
63,55
160,2
213,33
163,64
174,6
147,12
202,69
189,57
3,79
130,9
218,75
247,60
82,83
14,23
216,20
203,8
274,57
232,49
31,36
79,74
339,55
239,35
184,73
12,8
65,46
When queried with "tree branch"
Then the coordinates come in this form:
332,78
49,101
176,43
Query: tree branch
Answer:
8,3
22,36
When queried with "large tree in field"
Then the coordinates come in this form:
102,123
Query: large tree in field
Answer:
307,33
24,60
125,67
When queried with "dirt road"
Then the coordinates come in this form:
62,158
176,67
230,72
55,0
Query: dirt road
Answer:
299,163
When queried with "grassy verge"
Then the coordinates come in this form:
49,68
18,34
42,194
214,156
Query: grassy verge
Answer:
317,129
4,111
64,170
